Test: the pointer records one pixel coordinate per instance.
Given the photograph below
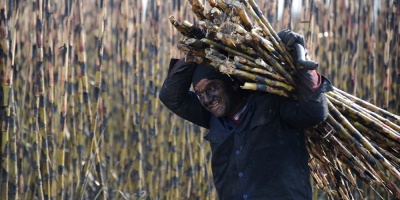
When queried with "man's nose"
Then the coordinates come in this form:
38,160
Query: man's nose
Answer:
206,98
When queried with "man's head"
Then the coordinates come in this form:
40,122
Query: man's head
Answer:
217,92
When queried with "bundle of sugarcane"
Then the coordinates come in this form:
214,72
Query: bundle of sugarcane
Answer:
357,139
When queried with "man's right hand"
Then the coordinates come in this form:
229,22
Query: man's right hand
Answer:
289,38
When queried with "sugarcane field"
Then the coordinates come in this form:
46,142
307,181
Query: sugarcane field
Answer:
81,116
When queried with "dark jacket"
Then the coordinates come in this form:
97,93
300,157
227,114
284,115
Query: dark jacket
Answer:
264,156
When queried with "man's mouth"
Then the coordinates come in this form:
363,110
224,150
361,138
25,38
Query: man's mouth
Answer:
212,106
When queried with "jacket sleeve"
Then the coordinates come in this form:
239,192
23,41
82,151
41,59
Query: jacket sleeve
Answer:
175,93
308,112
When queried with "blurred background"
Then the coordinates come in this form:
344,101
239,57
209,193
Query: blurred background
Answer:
80,115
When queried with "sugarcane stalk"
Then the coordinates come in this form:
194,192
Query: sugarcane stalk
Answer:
385,121
76,136
239,29
199,52
79,122
320,179
61,135
257,15
259,63
78,65
369,106
322,172
220,5
189,162
87,104
266,88
359,172
175,169
49,78
340,129
42,121
346,136
215,55
319,152
264,65
122,154
391,186
210,26
139,169
382,160
230,42
197,8
276,65
201,171
244,61
62,159
368,113
225,48
97,89
272,34
193,42
262,72
178,26
256,78
393,159
367,120
265,43
31,181
193,31
13,167
6,84
36,163
375,136
21,163
364,173
13,164
241,13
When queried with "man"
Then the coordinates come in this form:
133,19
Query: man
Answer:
257,140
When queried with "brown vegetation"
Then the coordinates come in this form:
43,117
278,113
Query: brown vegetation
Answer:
80,117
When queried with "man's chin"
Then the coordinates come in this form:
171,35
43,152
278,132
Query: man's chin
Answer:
218,113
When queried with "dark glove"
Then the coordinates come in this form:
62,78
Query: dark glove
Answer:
309,80
289,38
307,77
295,44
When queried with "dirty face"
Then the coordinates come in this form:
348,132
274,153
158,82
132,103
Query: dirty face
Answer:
218,97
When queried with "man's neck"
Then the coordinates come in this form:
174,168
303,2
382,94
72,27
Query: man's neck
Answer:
237,116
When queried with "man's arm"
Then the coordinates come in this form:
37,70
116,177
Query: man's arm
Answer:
309,110
311,107
175,93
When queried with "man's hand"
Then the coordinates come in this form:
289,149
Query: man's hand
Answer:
295,44
308,78
289,38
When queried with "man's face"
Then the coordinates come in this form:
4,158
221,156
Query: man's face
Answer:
217,96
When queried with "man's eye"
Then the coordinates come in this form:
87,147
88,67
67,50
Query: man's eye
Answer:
211,89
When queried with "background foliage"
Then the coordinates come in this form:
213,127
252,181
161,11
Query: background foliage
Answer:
112,138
